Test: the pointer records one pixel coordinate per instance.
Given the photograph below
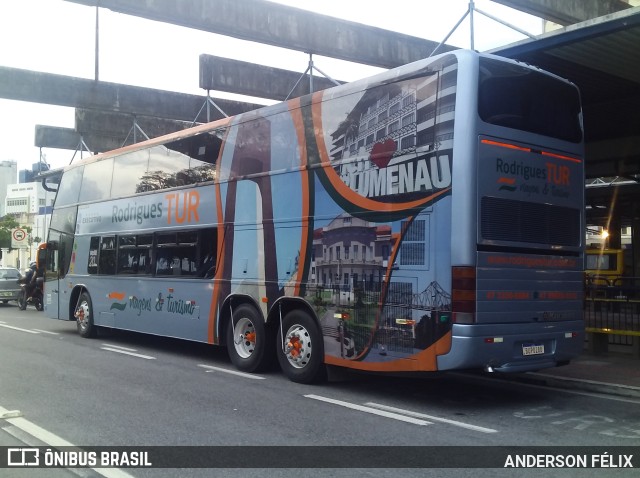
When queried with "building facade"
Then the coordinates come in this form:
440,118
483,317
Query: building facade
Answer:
8,175
30,205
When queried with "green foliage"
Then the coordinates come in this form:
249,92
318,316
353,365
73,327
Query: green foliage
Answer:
7,223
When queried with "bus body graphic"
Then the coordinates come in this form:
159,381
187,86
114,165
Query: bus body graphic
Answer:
414,221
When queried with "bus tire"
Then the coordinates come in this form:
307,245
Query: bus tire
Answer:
250,340
84,316
300,348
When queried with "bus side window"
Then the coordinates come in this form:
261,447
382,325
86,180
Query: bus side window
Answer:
166,244
186,253
185,257
207,250
127,260
163,266
107,258
92,266
144,253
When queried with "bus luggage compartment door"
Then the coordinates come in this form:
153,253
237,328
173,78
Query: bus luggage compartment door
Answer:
524,288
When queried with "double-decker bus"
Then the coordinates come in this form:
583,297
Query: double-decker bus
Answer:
427,218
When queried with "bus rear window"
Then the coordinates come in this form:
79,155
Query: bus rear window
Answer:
520,98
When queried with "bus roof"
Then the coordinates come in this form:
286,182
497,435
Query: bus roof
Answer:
393,75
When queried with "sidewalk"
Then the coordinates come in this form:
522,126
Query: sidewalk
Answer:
611,373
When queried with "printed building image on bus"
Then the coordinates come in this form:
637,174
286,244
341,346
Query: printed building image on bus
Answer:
427,218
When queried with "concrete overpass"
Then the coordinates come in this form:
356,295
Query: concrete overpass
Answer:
567,13
282,26
254,20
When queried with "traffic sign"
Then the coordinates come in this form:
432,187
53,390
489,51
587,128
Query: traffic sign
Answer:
19,238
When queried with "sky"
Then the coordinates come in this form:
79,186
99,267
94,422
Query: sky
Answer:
56,36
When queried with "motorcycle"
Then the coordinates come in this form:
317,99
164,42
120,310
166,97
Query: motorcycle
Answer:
34,298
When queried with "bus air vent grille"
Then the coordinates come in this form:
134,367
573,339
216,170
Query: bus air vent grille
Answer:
535,223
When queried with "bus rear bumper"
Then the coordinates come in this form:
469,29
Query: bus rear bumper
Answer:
524,348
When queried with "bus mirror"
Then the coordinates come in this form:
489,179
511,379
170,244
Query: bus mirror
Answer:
41,257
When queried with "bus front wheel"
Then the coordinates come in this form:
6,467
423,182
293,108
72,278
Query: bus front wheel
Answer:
300,348
249,340
84,316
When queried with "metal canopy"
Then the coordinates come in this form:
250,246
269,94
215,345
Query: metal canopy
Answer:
602,57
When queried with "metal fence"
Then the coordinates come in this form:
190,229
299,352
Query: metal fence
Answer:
612,306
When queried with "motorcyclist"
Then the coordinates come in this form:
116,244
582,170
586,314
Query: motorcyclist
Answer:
30,279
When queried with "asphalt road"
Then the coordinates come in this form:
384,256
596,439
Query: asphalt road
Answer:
124,389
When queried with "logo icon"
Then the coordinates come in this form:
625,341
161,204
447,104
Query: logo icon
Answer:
23,457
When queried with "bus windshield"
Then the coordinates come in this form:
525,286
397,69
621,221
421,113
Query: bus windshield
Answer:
525,99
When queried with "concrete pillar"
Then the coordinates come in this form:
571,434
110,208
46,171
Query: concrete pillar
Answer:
5,251
21,259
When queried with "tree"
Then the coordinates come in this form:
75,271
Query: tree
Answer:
7,223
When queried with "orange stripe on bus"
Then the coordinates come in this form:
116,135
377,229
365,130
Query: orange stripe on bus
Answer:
424,360
561,156
505,145
529,150
510,181
296,115
215,293
117,295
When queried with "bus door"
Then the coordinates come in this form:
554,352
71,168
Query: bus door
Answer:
58,257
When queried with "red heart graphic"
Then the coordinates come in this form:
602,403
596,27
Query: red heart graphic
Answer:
382,152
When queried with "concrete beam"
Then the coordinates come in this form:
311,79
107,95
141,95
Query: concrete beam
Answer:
283,26
68,138
104,131
39,87
223,74
567,13
120,126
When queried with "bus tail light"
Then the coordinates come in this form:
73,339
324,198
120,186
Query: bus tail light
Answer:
463,295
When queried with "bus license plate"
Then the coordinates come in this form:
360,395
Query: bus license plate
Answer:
532,349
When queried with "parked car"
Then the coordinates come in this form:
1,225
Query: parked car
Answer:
9,286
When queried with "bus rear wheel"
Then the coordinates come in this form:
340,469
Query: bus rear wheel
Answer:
249,340
300,348
84,316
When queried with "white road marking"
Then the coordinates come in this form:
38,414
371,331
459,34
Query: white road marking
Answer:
18,328
126,352
120,347
373,411
52,439
46,332
232,372
431,417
